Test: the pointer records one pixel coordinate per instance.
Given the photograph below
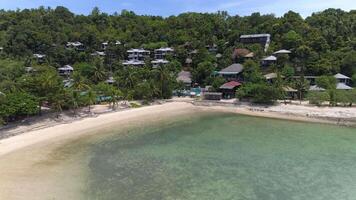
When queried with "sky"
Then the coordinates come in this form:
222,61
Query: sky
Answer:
174,7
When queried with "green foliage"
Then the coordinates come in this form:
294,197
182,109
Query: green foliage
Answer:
354,80
259,93
322,44
252,72
327,82
18,104
317,98
203,71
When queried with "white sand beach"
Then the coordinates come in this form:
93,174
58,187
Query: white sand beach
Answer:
29,161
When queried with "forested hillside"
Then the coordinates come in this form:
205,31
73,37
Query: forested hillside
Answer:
322,44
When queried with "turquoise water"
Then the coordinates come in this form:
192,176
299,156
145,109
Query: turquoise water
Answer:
225,156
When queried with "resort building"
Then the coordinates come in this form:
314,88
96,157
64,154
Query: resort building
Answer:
232,72
136,57
159,62
268,61
75,45
262,39
228,89
138,54
135,63
343,86
186,78
342,79
162,53
66,70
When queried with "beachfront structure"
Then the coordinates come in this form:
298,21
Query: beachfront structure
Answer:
75,45
268,61
138,54
162,53
134,63
186,78
159,62
228,89
342,79
291,93
232,72
282,52
66,70
262,39
98,53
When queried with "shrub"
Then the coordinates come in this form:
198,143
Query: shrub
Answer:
317,98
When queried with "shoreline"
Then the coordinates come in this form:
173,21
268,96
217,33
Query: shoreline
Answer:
35,161
42,132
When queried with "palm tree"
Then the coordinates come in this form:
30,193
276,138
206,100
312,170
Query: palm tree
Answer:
301,85
79,83
75,98
99,74
115,95
57,104
91,98
163,78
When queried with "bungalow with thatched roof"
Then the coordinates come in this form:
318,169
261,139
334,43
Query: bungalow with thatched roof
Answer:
186,78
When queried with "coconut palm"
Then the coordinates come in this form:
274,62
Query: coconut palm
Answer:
91,98
79,82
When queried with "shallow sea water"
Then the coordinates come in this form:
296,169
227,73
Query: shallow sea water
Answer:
224,156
